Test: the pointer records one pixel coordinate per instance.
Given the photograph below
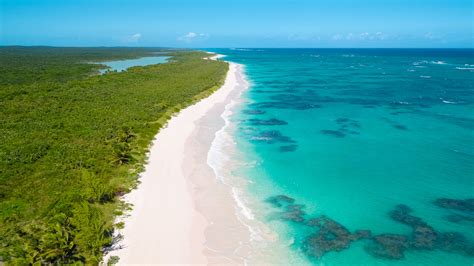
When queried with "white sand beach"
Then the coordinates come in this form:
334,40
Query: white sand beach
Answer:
182,214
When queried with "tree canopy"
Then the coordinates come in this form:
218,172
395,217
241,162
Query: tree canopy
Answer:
73,141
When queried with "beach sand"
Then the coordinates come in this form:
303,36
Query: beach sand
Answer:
182,213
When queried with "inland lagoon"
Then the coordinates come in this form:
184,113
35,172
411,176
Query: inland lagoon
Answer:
122,65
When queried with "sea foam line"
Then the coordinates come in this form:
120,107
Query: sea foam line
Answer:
217,159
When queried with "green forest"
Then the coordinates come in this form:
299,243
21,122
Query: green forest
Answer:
73,141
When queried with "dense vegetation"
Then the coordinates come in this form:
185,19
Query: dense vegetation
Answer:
73,141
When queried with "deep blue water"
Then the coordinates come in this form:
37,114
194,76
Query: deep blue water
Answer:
377,140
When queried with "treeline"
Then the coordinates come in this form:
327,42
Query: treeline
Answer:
72,142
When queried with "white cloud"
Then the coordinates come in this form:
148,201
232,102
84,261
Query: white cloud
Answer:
134,38
381,36
338,37
341,37
432,36
192,36
364,36
429,35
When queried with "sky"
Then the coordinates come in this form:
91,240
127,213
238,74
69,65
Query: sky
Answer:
239,23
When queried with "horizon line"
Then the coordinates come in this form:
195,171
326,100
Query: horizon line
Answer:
199,48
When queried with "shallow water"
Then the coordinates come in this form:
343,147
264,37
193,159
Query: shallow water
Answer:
122,65
352,134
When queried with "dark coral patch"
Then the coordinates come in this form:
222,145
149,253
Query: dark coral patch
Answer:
401,214
354,124
462,205
289,210
253,112
394,123
347,126
361,234
344,130
346,122
423,235
333,133
459,218
400,112
400,127
288,148
293,212
456,243
287,105
272,136
390,246
466,205
330,237
280,200
426,237
267,122
342,120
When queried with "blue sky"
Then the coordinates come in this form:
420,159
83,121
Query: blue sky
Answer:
238,23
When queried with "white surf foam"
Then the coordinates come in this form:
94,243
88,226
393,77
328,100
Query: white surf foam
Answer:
218,158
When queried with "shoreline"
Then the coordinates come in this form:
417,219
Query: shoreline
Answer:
213,192
174,218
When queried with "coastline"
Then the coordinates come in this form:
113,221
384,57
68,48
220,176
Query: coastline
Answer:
174,218
210,149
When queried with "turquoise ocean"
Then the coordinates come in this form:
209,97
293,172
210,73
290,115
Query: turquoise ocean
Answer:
360,156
